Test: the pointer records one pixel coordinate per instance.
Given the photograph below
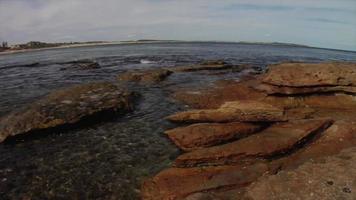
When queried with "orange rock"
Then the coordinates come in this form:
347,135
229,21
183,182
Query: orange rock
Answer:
223,92
177,183
329,178
272,89
277,139
209,134
339,136
245,111
311,74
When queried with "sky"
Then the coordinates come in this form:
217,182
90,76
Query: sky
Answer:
320,23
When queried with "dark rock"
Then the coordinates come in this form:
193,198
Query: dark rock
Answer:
148,76
66,107
81,64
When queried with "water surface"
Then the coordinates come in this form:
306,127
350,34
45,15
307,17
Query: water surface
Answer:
109,160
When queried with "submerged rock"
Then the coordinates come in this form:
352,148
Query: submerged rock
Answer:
311,74
148,76
245,111
81,64
328,178
208,65
209,134
67,106
273,141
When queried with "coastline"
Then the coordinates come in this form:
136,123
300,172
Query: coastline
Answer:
165,41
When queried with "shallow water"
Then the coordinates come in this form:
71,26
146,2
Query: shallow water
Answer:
109,160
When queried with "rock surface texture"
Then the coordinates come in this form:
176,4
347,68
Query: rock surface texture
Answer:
246,111
272,136
202,135
67,106
148,76
329,178
311,74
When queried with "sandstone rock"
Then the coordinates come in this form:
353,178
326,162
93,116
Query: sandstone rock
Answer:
245,111
275,140
209,134
66,107
339,136
311,74
149,76
177,183
328,178
224,91
272,89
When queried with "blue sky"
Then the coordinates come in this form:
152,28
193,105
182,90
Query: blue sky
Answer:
321,23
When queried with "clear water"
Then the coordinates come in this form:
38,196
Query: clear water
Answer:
109,160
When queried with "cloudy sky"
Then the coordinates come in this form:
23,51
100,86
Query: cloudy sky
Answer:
321,23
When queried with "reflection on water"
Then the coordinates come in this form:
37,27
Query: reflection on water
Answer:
109,160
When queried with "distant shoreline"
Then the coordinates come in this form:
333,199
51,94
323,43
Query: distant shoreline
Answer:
160,41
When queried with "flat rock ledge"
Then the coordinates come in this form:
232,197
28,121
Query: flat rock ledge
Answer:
267,137
67,106
246,111
145,76
328,178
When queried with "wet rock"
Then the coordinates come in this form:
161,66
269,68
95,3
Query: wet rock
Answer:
209,134
278,139
245,111
214,97
68,106
272,89
311,74
148,76
177,183
327,178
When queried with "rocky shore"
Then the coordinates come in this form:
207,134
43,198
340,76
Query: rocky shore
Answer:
268,136
287,133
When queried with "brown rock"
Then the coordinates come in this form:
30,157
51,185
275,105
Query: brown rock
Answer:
66,107
177,183
209,134
246,111
275,140
223,91
339,136
328,178
272,89
311,74
149,76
